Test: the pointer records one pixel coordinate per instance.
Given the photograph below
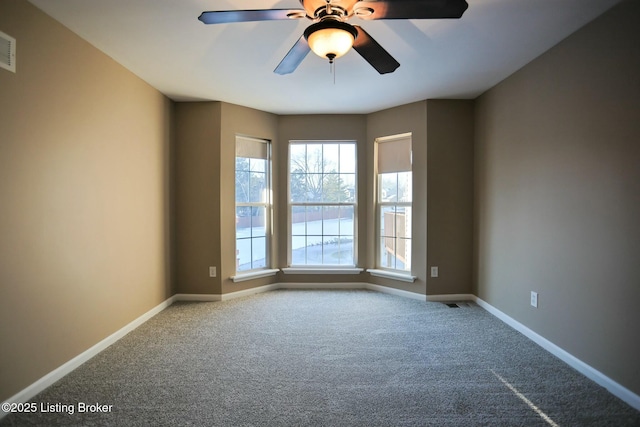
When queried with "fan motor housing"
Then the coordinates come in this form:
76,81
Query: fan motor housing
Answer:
314,8
330,23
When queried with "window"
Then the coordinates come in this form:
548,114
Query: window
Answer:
253,203
394,202
322,203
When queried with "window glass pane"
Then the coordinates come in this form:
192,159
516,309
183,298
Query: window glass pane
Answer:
387,250
258,258
395,237
298,221
404,254
330,221
401,224
298,250
243,221
346,221
332,188
257,165
348,158
258,187
405,188
314,158
242,187
314,250
387,220
314,187
242,164
330,158
407,222
251,243
298,187
388,187
243,254
297,159
347,187
346,252
330,248
258,223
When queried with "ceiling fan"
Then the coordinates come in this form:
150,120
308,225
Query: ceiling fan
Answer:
330,36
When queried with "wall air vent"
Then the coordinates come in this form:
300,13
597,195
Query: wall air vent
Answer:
7,52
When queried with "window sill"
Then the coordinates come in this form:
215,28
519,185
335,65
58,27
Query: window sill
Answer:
405,277
322,270
254,275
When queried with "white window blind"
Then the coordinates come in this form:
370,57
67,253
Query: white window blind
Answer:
251,147
394,154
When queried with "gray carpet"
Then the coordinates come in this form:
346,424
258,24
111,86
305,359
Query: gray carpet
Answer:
328,358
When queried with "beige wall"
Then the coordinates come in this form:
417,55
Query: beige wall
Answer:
558,194
450,125
84,190
197,188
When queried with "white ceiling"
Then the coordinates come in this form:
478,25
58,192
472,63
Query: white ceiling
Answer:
162,42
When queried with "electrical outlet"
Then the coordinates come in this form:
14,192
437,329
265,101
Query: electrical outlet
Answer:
534,299
212,272
434,271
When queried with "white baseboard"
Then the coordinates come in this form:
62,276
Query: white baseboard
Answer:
197,297
247,292
337,285
396,292
353,285
451,297
615,388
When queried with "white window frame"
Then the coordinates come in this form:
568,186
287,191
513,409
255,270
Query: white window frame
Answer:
399,165
266,204
322,268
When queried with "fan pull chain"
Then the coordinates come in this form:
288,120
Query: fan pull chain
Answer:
334,73
332,70
332,65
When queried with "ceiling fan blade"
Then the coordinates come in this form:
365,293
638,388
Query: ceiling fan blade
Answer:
228,16
411,9
373,53
294,57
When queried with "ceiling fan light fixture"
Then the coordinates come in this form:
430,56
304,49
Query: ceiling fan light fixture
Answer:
330,38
